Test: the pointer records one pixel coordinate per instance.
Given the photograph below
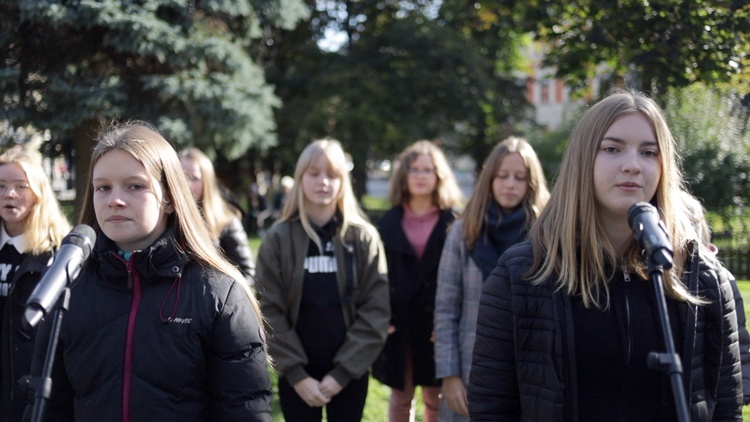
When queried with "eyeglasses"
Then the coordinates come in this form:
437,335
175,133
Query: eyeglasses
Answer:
19,187
416,172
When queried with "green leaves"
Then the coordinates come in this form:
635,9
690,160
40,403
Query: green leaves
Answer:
184,64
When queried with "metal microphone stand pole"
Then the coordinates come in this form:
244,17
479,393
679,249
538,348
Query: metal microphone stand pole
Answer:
668,362
42,385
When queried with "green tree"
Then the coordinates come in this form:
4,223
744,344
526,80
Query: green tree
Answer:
710,128
184,66
405,72
668,43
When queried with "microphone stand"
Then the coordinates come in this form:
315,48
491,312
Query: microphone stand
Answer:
42,385
668,362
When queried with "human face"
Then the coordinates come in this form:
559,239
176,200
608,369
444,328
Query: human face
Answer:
16,198
194,177
627,166
421,179
320,185
511,182
129,204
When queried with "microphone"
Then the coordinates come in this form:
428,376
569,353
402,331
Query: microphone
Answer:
74,250
649,231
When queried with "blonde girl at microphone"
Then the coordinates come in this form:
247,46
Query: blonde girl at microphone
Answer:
33,226
160,326
566,321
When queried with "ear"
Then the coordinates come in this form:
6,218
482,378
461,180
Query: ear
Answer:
168,207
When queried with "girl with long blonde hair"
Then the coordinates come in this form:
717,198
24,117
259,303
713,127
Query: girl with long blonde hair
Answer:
32,227
223,219
323,285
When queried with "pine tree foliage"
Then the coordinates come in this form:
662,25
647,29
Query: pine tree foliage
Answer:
183,66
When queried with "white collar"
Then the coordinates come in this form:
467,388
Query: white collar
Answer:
18,241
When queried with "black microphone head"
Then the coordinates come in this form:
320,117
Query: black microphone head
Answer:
639,208
82,236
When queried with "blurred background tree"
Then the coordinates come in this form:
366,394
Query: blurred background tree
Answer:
184,66
259,80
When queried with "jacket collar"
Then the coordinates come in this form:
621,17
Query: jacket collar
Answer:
162,260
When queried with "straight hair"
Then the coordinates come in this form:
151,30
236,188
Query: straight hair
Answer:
346,204
46,225
568,239
446,195
159,158
475,214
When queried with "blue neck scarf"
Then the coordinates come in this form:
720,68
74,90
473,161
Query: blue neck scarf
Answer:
500,232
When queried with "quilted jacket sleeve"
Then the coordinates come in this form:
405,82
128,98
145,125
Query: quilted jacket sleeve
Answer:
239,385
493,389
234,243
723,351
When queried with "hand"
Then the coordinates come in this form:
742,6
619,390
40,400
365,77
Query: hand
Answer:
309,390
454,392
391,329
329,386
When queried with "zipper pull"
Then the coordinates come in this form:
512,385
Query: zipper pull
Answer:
626,274
129,266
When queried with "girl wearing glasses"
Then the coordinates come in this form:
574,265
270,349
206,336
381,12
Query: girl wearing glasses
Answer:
424,193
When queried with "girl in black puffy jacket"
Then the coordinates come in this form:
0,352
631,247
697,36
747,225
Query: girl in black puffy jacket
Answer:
160,326
567,321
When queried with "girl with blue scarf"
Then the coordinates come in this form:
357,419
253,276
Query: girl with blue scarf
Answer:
509,194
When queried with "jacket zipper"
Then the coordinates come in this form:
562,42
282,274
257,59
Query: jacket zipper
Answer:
629,350
135,282
628,333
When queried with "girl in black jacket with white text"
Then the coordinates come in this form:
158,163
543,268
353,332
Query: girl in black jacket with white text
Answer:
32,225
160,326
567,320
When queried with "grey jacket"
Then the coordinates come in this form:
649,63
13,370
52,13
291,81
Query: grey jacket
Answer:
280,275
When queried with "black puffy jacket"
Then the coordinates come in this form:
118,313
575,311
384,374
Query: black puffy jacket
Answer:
158,338
17,346
523,368
233,242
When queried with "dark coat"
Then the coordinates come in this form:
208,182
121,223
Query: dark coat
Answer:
233,242
523,365
413,284
18,347
159,336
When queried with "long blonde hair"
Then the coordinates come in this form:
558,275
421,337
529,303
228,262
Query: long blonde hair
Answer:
568,239
474,214
158,157
46,225
217,212
346,203
447,194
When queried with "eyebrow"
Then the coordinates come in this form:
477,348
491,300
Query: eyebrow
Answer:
620,141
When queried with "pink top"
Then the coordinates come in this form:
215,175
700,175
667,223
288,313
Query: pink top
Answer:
418,228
